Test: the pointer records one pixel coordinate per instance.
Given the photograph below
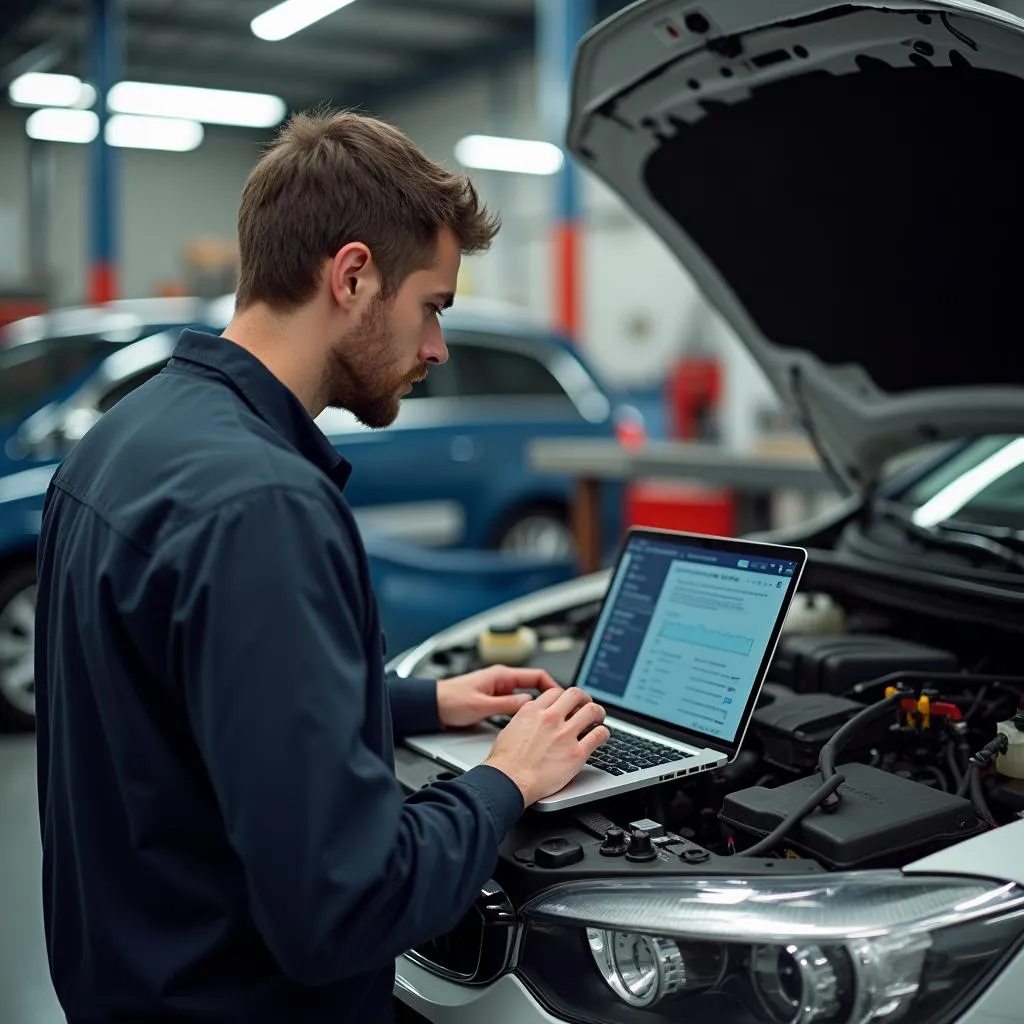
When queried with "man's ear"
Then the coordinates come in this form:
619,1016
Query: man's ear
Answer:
354,278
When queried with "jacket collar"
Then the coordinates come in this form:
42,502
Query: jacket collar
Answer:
274,403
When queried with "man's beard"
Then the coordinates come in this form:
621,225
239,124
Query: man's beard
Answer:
362,375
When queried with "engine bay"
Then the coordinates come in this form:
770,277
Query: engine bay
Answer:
928,752
882,734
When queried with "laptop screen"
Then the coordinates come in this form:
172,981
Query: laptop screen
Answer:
686,627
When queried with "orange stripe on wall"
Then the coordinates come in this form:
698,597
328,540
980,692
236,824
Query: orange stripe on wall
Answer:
568,245
102,283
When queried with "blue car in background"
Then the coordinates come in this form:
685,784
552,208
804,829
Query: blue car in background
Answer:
451,472
44,358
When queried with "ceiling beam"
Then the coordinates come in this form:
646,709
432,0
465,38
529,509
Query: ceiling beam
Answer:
492,57
471,11
295,92
14,13
44,57
315,67
213,29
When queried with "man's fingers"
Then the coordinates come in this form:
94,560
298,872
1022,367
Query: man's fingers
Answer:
507,704
526,679
548,697
588,716
598,735
568,701
544,682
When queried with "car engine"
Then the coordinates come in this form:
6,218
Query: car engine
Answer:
880,736
930,768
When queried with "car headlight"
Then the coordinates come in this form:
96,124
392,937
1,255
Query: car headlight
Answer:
839,949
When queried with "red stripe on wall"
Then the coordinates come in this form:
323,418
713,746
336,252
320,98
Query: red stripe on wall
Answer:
568,247
102,283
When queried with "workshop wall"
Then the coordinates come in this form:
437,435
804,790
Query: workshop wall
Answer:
167,200
641,310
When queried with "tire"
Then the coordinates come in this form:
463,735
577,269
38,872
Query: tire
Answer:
539,531
17,648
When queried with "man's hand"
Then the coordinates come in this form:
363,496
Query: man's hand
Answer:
466,700
548,742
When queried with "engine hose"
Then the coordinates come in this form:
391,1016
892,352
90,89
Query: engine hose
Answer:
961,679
777,834
934,773
955,771
978,796
835,746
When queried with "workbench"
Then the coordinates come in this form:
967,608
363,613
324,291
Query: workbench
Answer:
753,478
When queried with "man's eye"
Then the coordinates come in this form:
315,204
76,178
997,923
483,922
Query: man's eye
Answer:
435,309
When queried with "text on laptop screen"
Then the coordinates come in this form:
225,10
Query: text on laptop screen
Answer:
683,632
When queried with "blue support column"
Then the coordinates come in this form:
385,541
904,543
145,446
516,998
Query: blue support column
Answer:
560,25
104,206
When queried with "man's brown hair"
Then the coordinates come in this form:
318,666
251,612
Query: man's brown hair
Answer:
335,177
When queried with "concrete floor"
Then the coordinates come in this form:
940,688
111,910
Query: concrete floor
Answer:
26,995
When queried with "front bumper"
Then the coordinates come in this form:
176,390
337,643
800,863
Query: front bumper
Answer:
506,1001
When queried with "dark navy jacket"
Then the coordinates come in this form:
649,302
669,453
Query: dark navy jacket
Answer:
224,838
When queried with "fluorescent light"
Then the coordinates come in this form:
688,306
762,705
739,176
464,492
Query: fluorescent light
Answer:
520,156
285,19
61,125
37,89
212,106
56,125
167,133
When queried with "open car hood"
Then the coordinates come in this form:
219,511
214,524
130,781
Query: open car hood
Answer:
840,181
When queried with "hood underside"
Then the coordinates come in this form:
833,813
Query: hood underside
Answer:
841,181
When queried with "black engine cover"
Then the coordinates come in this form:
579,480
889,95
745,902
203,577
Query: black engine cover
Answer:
834,664
794,728
881,820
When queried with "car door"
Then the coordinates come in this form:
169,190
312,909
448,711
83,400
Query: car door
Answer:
409,480
507,395
453,462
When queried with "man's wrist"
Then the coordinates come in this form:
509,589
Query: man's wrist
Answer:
519,779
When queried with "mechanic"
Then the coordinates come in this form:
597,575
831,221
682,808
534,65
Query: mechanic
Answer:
224,836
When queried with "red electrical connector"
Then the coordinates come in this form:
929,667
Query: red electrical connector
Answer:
924,708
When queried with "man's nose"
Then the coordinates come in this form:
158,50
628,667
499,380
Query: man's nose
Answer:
434,350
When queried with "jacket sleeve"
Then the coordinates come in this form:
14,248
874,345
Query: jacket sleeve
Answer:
343,873
413,705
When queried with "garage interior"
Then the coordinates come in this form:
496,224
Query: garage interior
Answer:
597,384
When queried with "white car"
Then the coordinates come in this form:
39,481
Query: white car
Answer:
838,179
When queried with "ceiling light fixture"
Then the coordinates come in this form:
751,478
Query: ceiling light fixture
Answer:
125,131
518,156
170,134
285,19
53,124
40,89
211,106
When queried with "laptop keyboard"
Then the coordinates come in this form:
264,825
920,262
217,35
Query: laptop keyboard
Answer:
623,752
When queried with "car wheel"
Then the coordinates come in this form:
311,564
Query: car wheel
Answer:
17,648
540,533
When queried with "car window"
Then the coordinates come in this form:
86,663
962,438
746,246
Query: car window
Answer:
126,387
30,374
982,483
490,371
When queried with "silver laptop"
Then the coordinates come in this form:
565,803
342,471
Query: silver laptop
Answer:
678,656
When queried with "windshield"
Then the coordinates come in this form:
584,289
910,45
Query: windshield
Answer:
36,373
983,483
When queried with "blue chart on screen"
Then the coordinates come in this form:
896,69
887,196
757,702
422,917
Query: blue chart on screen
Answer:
701,637
683,632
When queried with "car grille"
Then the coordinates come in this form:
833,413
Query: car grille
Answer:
477,949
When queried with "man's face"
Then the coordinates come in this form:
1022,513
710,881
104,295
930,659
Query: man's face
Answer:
395,342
